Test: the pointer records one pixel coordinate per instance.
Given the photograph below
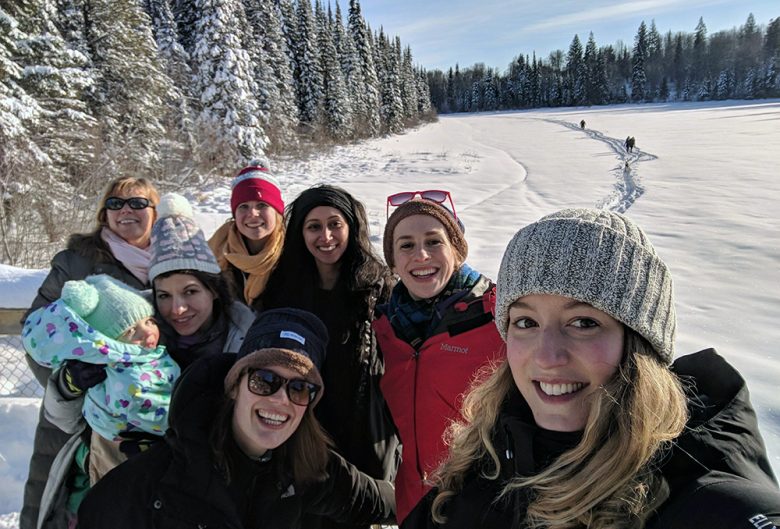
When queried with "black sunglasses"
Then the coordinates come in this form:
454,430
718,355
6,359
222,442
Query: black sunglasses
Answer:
265,383
116,203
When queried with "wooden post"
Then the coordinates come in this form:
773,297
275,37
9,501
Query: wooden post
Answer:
10,320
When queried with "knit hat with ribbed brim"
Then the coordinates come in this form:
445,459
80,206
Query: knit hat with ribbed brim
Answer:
284,337
255,182
177,242
432,209
598,257
107,305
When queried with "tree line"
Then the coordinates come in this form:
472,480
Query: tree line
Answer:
178,90
739,63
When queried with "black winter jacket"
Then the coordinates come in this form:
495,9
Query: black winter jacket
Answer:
85,255
717,470
175,484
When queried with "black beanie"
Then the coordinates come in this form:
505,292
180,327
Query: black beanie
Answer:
287,337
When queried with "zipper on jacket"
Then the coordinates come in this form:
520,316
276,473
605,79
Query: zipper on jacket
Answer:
509,443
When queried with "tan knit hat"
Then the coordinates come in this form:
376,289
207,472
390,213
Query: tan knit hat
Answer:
598,257
432,209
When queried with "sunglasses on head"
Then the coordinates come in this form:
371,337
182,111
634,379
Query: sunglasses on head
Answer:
434,195
116,203
265,383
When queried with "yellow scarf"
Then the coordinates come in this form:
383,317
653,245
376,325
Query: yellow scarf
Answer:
229,248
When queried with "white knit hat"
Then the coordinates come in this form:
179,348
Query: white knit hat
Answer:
177,242
598,257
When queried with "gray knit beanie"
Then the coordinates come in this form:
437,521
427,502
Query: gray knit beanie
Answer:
598,257
177,241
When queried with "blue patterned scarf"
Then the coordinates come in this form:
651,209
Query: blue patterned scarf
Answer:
415,320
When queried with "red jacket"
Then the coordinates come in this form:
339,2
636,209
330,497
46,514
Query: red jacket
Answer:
424,388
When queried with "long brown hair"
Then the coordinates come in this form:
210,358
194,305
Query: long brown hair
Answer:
608,479
304,455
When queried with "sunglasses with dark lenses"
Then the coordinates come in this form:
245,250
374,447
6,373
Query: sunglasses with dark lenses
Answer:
434,195
116,203
265,383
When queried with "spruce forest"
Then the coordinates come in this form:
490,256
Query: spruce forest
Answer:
740,63
178,91
183,91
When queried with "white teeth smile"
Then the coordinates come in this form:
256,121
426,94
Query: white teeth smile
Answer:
560,389
423,272
327,248
128,221
272,418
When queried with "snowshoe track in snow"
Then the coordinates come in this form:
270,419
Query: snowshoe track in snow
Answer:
628,186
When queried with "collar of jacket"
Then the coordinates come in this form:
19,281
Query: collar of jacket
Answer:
523,447
722,432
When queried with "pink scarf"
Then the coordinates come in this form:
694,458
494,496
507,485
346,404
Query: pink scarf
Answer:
133,258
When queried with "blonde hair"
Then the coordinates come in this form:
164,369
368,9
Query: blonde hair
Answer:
275,243
122,185
608,479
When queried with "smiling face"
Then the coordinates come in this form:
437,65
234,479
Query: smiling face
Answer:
145,333
133,225
255,220
560,352
262,423
184,302
423,255
326,234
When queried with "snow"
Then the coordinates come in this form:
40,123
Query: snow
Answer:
702,181
19,286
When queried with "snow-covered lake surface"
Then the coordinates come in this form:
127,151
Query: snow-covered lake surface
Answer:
703,181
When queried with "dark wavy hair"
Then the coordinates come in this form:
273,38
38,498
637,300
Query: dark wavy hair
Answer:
216,283
295,278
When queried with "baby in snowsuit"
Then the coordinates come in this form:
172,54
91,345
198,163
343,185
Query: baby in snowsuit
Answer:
102,321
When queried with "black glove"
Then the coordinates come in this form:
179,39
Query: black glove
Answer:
76,376
135,442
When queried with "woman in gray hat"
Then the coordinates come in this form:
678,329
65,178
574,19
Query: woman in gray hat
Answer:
244,448
588,423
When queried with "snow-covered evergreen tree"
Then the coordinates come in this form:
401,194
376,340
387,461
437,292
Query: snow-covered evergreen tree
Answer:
265,18
229,128
337,105
723,85
17,108
308,75
408,82
392,109
638,76
423,93
55,77
175,63
351,71
366,100
575,73
490,82
131,91
592,74
653,57
699,62
288,21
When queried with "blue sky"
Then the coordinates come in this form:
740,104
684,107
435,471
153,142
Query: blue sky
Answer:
444,32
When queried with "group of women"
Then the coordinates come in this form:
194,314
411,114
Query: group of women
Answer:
414,390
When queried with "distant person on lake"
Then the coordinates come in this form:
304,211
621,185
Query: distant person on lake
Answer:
582,124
